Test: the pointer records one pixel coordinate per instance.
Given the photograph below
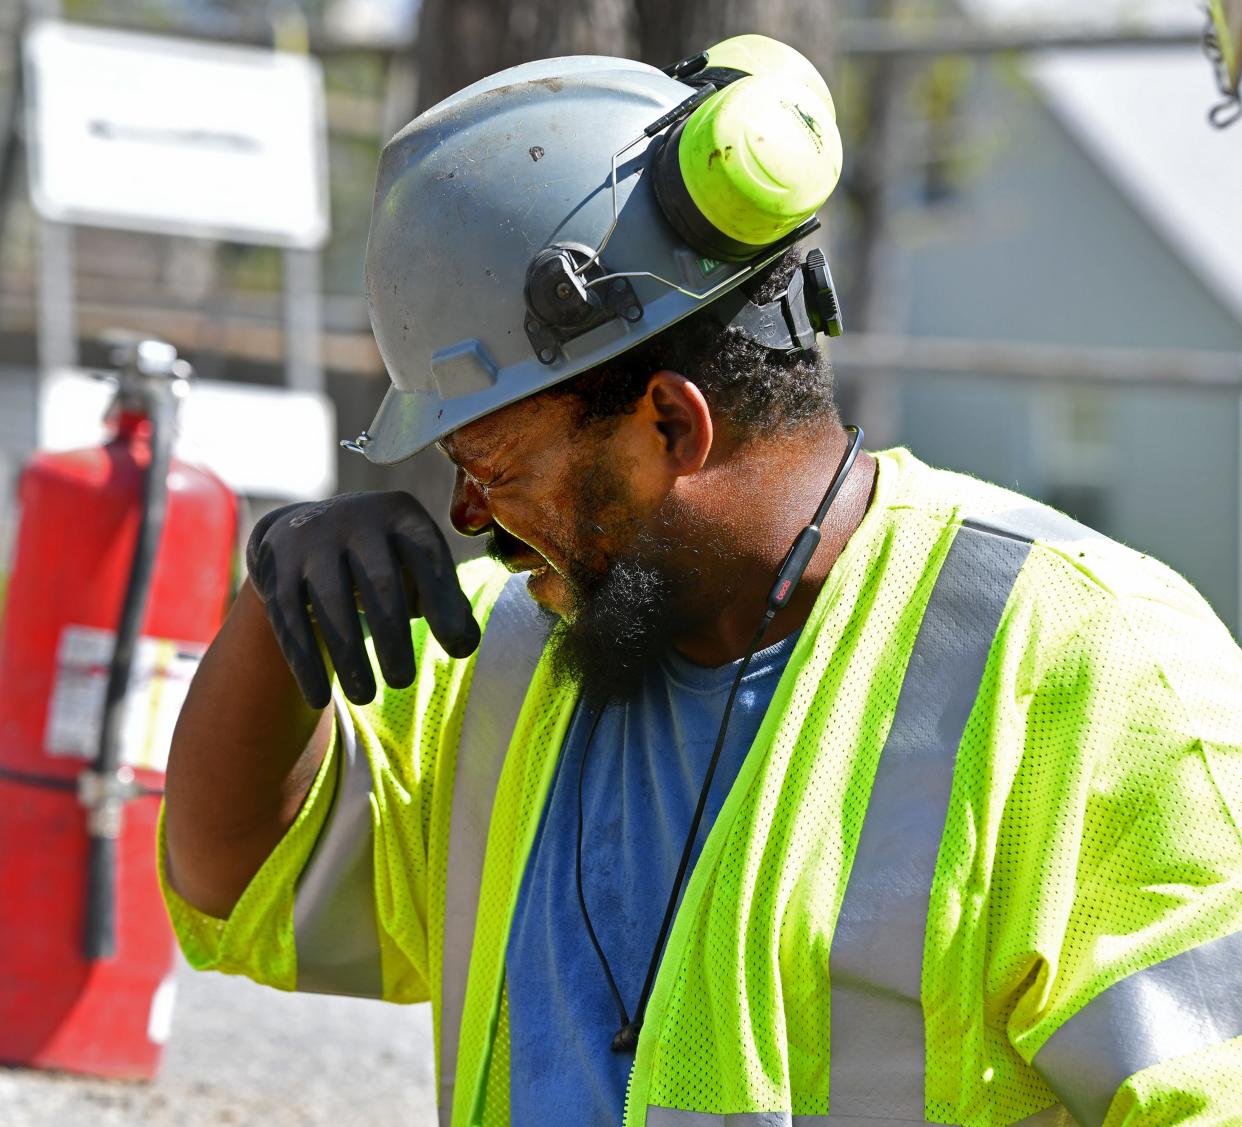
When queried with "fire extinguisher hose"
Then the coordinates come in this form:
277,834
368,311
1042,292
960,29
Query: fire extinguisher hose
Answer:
30,779
109,787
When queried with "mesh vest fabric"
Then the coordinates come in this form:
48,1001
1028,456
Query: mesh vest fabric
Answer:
1092,832
410,739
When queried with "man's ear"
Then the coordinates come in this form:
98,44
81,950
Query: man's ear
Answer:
683,420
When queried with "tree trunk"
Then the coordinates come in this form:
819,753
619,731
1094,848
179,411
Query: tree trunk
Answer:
461,41
672,31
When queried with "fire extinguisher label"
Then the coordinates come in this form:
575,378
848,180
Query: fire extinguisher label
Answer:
158,683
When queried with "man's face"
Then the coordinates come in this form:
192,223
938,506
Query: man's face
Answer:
524,478
592,513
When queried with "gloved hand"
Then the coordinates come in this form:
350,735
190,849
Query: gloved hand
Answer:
380,553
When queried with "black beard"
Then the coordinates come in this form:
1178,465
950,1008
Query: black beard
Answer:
623,619
620,624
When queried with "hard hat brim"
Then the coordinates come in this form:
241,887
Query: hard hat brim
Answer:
407,422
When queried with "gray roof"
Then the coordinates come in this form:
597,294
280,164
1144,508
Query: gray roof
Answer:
1142,116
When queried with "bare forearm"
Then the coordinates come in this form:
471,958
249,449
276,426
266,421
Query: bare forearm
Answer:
244,754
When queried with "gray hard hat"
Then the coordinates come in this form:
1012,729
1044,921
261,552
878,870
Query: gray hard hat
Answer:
488,208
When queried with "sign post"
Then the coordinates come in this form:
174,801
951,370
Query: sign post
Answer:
150,133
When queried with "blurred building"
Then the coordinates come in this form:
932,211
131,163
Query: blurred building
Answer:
1093,206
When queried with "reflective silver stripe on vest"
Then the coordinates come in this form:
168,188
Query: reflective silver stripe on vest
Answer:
876,960
508,654
1038,522
1186,1003
334,926
668,1117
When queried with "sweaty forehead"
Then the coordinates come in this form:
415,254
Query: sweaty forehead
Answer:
531,422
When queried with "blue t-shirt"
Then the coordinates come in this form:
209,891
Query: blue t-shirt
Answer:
646,768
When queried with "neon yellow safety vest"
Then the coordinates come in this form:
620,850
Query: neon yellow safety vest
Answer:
981,866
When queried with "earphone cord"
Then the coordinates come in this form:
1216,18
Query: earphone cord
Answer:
626,1038
586,916
629,1029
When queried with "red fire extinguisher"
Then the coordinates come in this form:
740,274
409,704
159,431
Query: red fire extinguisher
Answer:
120,579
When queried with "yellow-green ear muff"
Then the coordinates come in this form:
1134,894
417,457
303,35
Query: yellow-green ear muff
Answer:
754,161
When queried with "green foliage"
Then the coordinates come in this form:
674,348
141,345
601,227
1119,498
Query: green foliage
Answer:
941,87
251,267
154,14
359,74
353,161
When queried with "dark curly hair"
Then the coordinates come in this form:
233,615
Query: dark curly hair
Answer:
755,390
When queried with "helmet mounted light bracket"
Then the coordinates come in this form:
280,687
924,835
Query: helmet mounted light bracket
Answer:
562,301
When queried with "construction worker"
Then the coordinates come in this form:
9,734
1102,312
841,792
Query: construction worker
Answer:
788,783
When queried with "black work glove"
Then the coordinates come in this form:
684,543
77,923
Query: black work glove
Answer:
320,563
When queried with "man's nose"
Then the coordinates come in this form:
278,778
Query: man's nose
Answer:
468,509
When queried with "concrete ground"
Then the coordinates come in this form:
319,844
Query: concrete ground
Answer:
240,1054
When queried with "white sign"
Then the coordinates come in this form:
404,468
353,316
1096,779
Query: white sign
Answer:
157,134
262,441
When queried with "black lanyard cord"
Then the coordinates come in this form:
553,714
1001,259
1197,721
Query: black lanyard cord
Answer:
586,916
625,1040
